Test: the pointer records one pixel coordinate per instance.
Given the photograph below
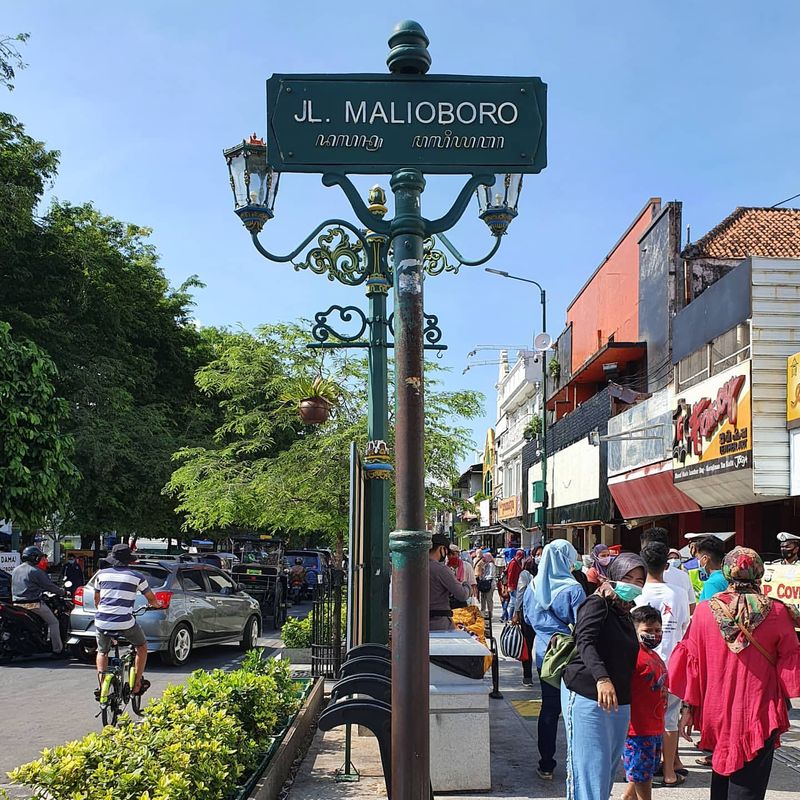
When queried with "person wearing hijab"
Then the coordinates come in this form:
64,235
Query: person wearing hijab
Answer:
734,670
524,585
596,688
550,608
601,558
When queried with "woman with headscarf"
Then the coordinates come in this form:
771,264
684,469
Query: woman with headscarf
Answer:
525,585
597,572
735,669
596,689
551,608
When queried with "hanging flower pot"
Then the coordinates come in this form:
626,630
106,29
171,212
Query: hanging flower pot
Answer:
314,410
314,398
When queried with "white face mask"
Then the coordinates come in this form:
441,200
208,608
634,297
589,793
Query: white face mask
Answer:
675,563
537,559
604,560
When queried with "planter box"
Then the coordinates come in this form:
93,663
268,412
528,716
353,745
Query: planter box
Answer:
281,759
297,655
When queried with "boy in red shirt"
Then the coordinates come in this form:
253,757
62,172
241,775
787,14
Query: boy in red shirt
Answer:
642,755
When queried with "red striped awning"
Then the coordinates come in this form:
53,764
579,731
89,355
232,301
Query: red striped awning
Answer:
649,492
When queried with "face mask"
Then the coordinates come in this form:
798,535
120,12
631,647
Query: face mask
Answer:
650,640
604,560
627,591
537,559
787,553
453,561
675,563
577,566
442,556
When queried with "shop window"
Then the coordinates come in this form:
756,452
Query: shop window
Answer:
730,349
693,369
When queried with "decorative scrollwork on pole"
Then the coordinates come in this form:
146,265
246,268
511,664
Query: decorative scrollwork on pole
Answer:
322,330
432,333
434,261
338,257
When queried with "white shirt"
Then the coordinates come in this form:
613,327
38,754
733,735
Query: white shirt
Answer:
679,579
674,608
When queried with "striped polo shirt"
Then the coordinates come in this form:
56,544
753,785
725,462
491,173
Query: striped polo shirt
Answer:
118,587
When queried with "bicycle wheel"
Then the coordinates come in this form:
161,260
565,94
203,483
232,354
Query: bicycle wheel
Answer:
110,709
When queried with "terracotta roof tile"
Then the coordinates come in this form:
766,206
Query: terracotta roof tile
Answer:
766,232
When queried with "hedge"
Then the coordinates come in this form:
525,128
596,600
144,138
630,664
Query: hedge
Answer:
196,742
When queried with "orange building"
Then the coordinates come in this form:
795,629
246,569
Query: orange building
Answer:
607,307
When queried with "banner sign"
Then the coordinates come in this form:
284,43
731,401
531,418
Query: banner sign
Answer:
783,582
793,391
8,561
712,433
381,123
507,507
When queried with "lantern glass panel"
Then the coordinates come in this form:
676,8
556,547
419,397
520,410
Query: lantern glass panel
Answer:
514,188
237,167
256,177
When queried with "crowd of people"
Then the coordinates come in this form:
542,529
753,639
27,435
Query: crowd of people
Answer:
660,646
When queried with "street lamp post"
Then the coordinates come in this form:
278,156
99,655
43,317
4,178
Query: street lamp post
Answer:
508,133
543,301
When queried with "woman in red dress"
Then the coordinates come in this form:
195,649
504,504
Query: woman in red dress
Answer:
735,669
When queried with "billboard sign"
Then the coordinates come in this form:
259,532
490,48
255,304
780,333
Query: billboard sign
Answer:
381,123
793,391
712,431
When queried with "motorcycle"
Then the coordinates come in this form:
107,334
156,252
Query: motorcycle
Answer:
296,590
23,633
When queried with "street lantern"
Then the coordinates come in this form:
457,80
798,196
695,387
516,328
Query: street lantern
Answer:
498,203
253,182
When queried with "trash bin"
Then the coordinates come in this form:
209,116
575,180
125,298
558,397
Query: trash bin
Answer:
459,713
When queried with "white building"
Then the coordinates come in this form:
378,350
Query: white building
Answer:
518,401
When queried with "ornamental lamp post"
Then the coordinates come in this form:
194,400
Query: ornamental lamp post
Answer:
407,124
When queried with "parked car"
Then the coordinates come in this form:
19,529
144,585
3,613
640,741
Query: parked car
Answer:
204,606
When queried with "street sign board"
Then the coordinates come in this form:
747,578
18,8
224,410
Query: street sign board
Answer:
381,123
8,561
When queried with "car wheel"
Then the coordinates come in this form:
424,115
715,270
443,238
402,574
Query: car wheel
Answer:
179,647
250,634
83,652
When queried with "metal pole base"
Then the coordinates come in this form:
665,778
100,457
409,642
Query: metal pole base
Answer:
347,773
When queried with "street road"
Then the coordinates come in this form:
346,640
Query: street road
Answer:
44,703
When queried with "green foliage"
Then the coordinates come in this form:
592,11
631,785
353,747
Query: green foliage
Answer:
305,389
266,470
297,632
195,743
534,428
88,290
10,58
554,368
35,468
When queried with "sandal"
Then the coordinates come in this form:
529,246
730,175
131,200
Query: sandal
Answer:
705,761
679,780
143,688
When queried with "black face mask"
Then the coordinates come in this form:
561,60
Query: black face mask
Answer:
442,556
788,552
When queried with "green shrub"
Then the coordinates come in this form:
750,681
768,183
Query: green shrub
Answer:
297,632
196,742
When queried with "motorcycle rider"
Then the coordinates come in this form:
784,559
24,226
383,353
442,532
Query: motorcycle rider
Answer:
298,572
28,583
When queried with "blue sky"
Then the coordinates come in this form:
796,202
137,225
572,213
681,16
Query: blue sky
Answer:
683,100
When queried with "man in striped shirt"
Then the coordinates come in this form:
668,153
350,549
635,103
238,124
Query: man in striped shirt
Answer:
115,591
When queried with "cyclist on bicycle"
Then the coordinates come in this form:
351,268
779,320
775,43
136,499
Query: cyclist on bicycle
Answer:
115,590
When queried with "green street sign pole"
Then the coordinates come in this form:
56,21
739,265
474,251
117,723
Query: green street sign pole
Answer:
405,124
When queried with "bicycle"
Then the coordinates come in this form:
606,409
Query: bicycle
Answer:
116,687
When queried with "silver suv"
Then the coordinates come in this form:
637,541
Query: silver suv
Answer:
203,606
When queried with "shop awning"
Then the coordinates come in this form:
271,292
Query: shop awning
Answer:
649,492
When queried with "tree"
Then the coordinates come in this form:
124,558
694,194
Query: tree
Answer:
36,473
88,290
10,58
268,471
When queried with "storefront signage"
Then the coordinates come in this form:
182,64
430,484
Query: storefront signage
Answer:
508,507
793,391
380,123
783,582
8,561
712,433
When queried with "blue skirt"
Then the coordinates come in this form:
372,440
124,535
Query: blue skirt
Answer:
595,741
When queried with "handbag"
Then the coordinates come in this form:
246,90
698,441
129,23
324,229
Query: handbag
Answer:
511,641
560,651
484,584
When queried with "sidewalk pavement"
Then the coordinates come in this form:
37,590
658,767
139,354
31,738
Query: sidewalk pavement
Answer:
514,758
